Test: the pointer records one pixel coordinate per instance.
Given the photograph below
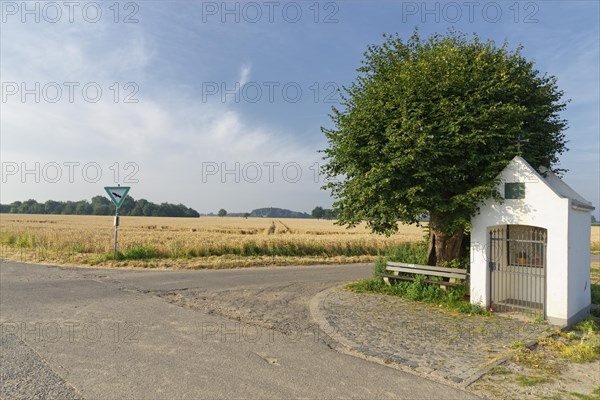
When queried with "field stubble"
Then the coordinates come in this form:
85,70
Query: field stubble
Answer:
207,242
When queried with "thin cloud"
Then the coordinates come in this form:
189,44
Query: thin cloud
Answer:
245,72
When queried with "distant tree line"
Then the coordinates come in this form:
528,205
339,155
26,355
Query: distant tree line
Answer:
267,212
274,212
323,213
99,205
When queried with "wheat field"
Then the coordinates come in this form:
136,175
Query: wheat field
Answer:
207,242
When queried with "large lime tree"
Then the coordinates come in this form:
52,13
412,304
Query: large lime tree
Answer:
427,126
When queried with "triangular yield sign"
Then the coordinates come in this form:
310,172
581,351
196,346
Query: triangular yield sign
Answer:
117,194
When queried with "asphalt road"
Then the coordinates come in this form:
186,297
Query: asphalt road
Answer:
129,334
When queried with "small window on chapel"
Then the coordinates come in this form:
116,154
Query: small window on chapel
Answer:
514,190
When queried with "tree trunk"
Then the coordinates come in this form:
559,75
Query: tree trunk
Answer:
442,247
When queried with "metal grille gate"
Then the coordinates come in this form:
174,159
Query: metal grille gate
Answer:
517,262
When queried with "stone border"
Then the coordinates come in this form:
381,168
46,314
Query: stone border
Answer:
345,345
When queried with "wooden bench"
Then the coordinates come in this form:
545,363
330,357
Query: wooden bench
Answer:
416,269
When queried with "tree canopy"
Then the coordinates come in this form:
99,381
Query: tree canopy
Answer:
429,124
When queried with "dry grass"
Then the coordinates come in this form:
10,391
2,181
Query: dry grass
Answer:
191,242
596,238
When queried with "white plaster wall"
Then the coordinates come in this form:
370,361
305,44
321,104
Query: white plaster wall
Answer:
579,262
557,214
479,288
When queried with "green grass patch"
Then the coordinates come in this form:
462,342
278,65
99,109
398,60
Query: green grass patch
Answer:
23,240
594,396
595,294
8,239
145,252
587,326
77,248
585,351
283,249
571,335
370,285
498,370
414,253
517,345
140,253
259,248
418,290
132,253
531,380
581,345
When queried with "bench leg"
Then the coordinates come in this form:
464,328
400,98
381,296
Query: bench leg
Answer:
387,280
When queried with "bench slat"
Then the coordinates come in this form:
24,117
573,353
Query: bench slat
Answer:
409,278
427,272
418,266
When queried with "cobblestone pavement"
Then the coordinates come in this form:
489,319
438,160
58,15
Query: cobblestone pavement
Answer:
437,343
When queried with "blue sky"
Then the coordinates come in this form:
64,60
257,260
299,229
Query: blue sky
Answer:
193,136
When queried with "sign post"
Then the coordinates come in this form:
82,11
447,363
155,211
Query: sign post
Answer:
117,194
